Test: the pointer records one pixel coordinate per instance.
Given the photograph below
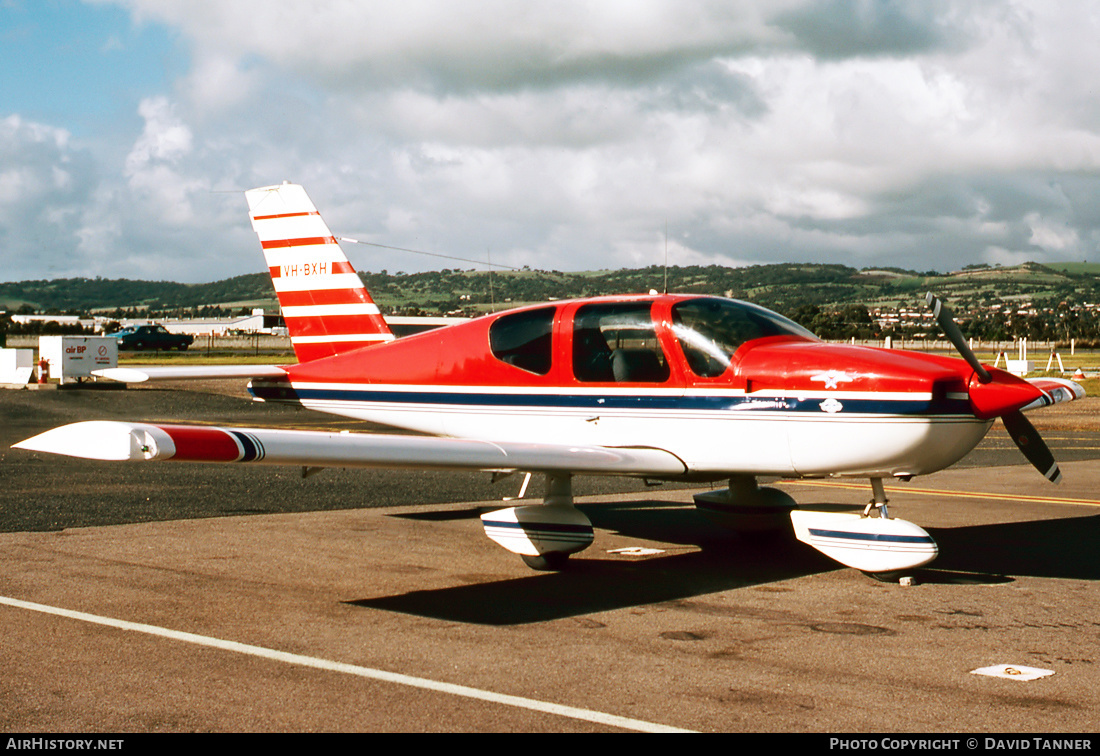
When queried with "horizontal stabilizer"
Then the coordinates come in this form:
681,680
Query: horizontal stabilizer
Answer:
124,441
188,372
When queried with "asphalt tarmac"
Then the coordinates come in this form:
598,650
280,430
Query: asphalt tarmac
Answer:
184,598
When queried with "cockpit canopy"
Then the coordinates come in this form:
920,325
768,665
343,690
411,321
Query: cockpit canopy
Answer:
618,341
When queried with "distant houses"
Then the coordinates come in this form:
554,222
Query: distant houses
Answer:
257,322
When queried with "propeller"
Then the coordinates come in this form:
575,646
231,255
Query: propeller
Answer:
950,329
999,394
1032,445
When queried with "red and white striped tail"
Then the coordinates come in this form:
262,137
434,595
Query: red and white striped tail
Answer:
325,305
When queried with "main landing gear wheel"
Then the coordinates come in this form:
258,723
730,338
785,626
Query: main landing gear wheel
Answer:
748,508
543,535
552,561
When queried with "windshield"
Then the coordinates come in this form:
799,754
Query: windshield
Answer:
711,329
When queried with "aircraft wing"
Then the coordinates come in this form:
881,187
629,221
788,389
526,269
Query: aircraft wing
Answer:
184,372
1055,391
148,442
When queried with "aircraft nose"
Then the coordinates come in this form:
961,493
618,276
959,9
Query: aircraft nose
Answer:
997,393
1003,394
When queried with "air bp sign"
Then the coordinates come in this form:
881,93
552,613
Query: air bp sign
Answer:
74,358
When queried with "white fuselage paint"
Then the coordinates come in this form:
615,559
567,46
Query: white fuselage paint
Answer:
759,437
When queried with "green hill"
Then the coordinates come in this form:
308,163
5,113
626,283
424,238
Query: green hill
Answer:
1081,268
85,295
987,299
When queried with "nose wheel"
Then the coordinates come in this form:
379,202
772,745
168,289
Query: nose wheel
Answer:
883,547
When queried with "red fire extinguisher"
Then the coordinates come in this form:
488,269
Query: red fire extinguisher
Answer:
43,370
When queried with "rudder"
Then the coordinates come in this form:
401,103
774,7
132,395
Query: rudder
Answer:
327,309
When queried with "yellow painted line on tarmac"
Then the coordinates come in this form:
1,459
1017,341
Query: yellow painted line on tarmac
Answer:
949,494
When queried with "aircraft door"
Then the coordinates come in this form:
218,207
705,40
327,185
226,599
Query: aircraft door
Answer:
626,388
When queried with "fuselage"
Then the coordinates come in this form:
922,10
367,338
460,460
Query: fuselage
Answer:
728,387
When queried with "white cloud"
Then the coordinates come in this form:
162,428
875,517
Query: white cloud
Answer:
1052,236
488,44
153,165
44,186
567,134
165,138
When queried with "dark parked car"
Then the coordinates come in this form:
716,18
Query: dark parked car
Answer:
152,337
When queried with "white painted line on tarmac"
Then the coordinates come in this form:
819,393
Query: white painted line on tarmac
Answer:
350,669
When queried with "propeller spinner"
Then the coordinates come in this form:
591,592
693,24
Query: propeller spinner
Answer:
999,394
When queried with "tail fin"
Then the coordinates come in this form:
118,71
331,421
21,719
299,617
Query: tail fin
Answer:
326,307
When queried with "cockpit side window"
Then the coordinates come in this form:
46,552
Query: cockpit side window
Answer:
617,343
710,330
523,339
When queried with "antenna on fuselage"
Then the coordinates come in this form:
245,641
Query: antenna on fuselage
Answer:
666,256
492,301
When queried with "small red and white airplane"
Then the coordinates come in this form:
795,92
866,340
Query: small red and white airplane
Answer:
664,387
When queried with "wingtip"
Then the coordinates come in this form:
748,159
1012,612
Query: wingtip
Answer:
95,439
123,375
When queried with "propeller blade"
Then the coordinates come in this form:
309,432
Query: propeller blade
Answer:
1023,433
951,330
1032,445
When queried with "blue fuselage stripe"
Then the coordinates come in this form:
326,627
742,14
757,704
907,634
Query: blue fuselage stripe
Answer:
714,403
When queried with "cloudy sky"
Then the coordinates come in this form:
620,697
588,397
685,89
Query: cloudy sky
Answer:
551,133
